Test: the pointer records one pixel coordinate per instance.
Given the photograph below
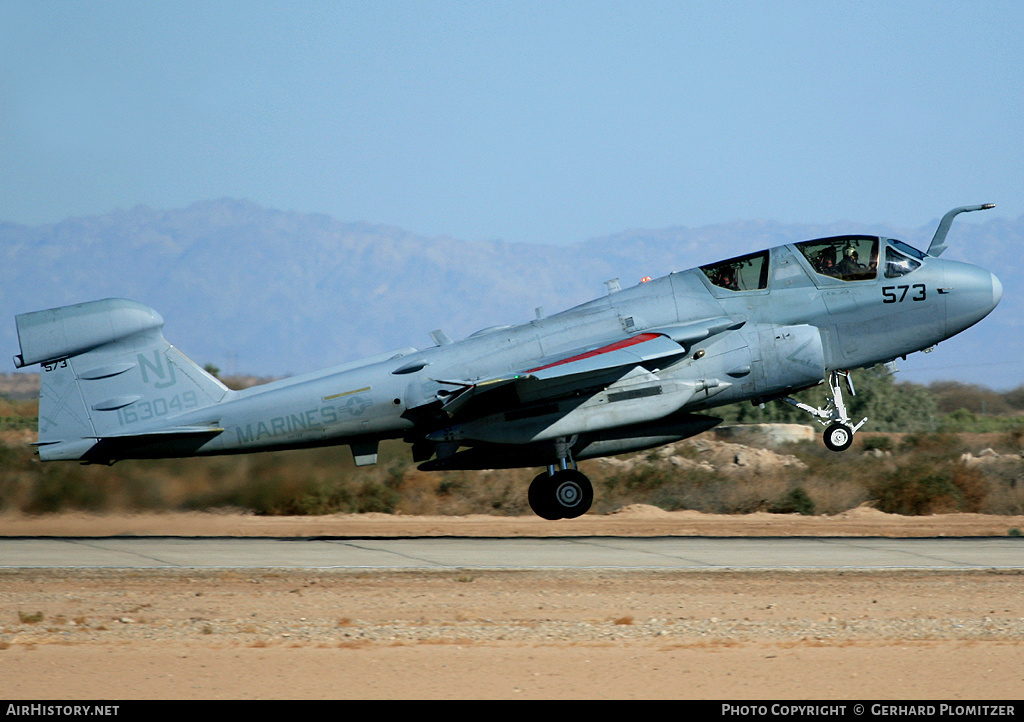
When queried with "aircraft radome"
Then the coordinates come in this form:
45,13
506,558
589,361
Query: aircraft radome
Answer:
632,370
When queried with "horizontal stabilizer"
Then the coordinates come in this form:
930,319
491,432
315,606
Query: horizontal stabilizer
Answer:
155,444
168,432
156,433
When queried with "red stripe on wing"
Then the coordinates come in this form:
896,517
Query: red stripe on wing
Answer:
625,343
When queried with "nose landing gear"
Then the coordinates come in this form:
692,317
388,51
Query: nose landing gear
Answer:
838,437
839,431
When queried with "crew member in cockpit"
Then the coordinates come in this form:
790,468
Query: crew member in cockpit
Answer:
827,261
850,265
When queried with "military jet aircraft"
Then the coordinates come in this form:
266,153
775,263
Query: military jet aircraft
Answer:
632,370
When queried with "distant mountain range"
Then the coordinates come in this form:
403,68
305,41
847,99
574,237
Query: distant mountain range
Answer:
256,290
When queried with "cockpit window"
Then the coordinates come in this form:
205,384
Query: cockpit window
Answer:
907,250
848,258
743,273
896,264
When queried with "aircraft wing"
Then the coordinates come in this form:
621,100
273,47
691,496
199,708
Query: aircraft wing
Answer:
631,351
554,375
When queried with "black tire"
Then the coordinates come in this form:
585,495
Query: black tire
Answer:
838,437
565,495
541,496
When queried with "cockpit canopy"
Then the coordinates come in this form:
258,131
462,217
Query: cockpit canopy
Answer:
845,258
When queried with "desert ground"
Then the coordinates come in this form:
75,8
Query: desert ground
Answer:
722,635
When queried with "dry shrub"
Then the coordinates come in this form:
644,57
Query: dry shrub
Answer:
830,497
918,474
928,486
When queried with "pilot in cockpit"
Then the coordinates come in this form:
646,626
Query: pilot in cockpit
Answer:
726,278
850,265
827,261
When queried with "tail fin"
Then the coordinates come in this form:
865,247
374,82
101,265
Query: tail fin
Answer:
111,383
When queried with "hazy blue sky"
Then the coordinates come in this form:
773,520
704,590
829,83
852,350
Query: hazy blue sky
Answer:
525,121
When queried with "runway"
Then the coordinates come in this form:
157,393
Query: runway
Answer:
621,553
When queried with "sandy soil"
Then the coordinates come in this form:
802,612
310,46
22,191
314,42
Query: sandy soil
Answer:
165,634
635,520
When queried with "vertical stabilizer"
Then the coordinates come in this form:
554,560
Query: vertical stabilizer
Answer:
108,375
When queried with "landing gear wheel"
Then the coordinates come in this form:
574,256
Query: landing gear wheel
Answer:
838,437
566,494
573,493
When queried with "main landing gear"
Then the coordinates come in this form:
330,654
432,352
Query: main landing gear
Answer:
561,494
838,430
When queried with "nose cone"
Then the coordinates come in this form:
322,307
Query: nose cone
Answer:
974,292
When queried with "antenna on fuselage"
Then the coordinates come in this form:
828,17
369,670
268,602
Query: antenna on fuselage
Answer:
939,239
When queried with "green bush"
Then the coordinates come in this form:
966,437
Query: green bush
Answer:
795,501
881,443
